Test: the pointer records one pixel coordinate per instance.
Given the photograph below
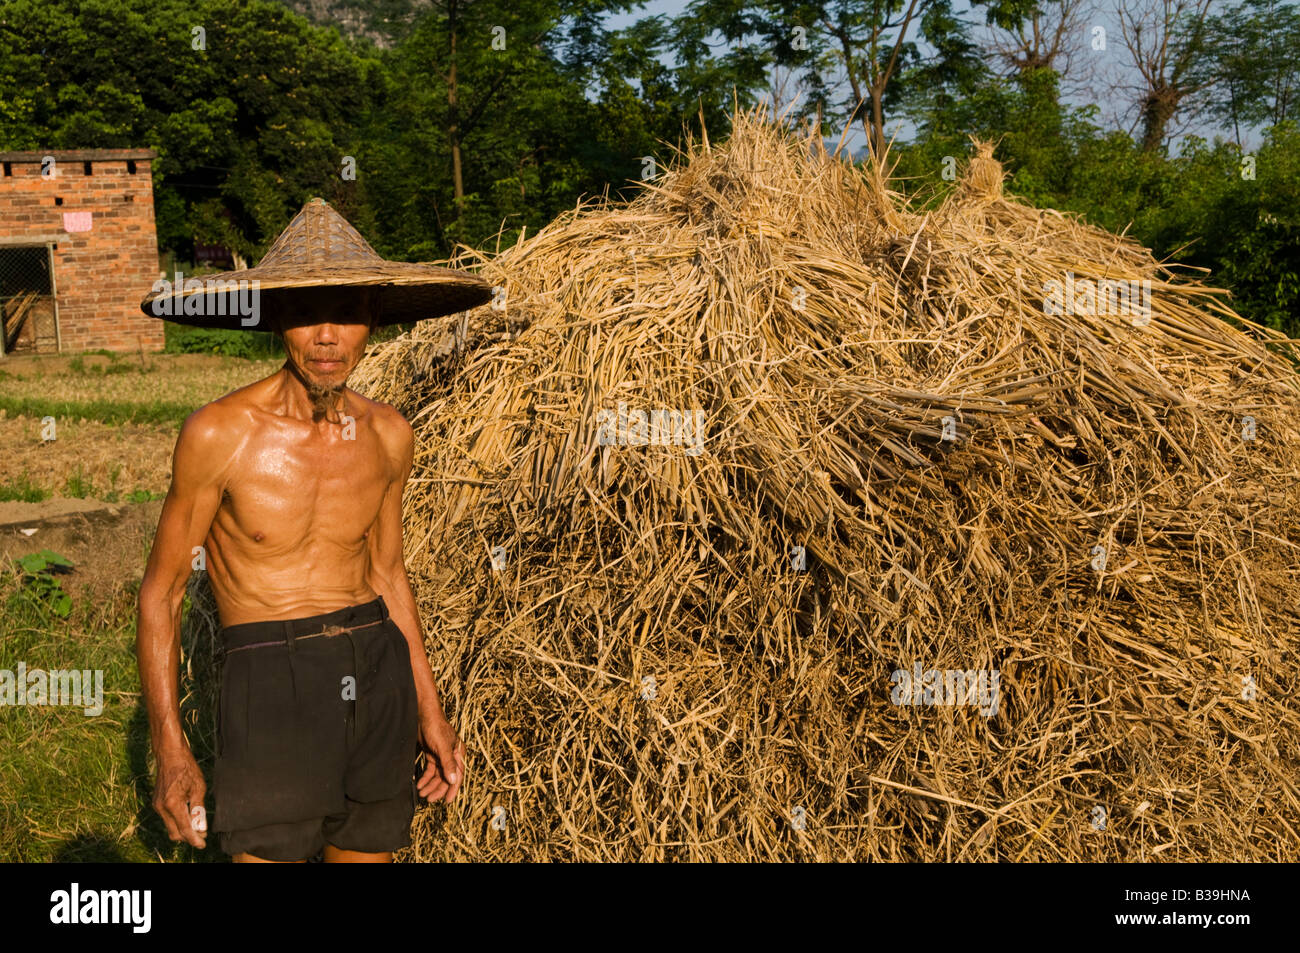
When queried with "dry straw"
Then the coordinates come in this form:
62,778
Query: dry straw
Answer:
646,676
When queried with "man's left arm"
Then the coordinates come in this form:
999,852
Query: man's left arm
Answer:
389,579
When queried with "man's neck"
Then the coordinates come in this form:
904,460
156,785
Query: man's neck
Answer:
302,399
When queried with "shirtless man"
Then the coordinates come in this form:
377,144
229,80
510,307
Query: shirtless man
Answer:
293,487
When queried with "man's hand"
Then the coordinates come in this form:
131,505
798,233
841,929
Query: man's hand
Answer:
444,758
178,790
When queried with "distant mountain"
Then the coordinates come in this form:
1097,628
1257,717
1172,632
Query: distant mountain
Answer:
381,21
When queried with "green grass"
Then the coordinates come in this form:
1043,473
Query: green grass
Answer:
23,489
79,788
77,486
109,412
117,364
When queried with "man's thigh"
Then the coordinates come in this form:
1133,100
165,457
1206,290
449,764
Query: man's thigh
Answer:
336,855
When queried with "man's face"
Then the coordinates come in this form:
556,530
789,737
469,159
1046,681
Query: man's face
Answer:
326,334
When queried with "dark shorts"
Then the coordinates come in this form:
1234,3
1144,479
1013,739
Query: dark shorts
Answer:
316,736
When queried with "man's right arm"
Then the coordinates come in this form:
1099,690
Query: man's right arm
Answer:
199,469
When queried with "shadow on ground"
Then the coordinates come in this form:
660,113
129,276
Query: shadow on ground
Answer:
199,681
89,849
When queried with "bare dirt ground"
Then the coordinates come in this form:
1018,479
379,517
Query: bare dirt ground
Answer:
107,544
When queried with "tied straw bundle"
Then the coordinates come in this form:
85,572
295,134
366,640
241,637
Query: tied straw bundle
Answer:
910,460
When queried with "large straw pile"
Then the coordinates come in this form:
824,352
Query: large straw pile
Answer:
647,676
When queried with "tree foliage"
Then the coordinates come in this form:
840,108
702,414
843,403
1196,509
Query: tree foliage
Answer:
475,120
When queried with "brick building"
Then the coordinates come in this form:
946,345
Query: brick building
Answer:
77,251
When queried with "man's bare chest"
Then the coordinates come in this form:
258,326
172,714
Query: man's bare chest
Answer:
285,488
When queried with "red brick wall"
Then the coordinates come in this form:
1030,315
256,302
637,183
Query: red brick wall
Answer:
100,275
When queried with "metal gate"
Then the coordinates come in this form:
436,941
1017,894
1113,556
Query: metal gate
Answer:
29,318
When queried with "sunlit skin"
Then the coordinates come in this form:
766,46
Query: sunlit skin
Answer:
293,487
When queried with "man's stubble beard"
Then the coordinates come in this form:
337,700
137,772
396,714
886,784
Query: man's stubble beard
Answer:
324,398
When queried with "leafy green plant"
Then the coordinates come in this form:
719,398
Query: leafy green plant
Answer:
40,589
186,340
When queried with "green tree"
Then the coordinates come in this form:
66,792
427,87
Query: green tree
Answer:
870,43
482,121
250,107
1252,63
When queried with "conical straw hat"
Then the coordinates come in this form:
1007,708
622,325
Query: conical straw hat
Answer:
318,249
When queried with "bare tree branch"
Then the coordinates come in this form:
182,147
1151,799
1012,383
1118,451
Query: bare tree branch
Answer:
1164,40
